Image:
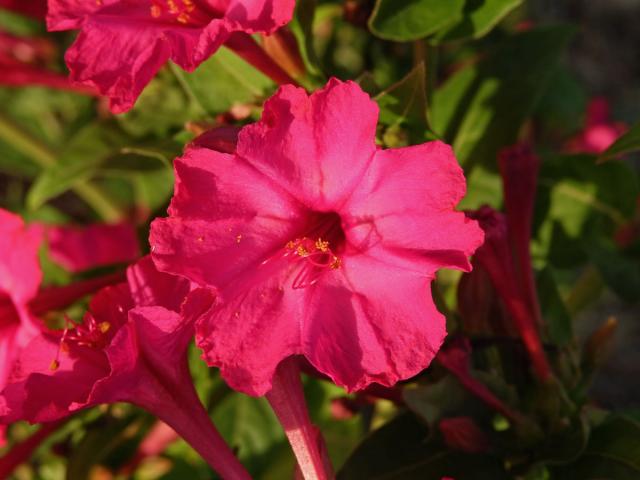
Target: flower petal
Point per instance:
(150, 288)
(83, 248)
(315, 147)
(406, 201)
(375, 323)
(226, 218)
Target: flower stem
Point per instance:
(41, 155)
(248, 49)
(184, 413)
(287, 401)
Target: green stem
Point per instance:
(186, 88)
(42, 156)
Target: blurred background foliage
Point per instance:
(479, 74)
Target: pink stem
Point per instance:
(184, 413)
(287, 401)
(23, 451)
(248, 49)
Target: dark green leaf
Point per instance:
(478, 18)
(302, 27)
(404, 104)
(613, 452)
(413, 19)
(627, 143)
(554, 311)
(620, 273)
(482, 107)
(400, 451)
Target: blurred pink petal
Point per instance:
(122, 44)
(82, 248)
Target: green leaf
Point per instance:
(613, 452)
(484, 187)
(79, 161)
(412, 19)
(627, 143)
(620, 273)
(226, 79)
(400, 451)
(99, 149)
(404, 104)
(482, 107)
(478, 18)
(249, 425)
(302, 28)
(553, 308)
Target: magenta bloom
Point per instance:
(130, 347)
(82, 248)
(319, 243)
(32, 8)
(20, 277)
(23, 61)
(599, 130)
(123, 43)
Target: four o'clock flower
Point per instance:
(123, 43)
(599, 130)
(319, 243)
(131, 347)
(20, 277)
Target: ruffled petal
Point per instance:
(374, 323)
(150, 288)
(249, 335)
(226, 219)
(37, 393)
(315, 147)
(406, 201)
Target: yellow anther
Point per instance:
(183, 18)
(155, 11)
(172, 6)
(322, 245)
(104, 327)
(301, 251)
(335, 263)
(55, 364)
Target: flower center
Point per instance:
(9, 316)
(90, 333)
(181, 11)
(317, 250)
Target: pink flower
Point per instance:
(20, 277)
(319, 243)
(123, 43)
(599, 130)
(462, 433)
(32, 8)
(83, 248)
(496, 259)
(519, 167)
(130, 347)
(23, 61)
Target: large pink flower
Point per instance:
(319, 243)
(123, 43)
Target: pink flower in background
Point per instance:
(32, 8)
(130, 347)
(24, 60)
(599, 130)
(462, 433)
(20, 277)
(122, 43)
(81, 248)
(319, 243)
